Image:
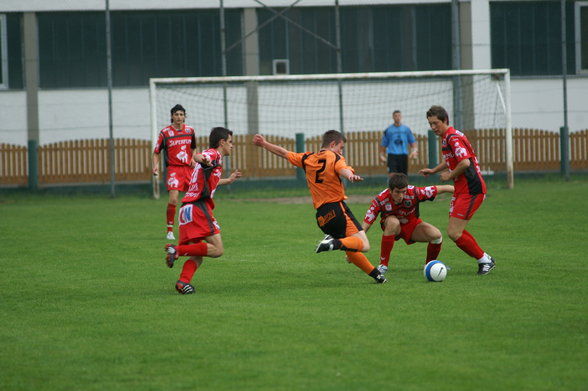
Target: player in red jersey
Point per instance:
(461, 166)
(178, 140)
(324, 170)
(398, 207)
(199, 231)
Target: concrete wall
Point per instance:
(82, 114)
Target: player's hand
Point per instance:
(202, 159)
(445, 176)
(258, 140)
(355, 178)
(155, 171)
(235, 175)
(383, 159)
(413, 155)
(426, 171)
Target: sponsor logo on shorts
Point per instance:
(185, 214)
(173, 181)
(322, 220)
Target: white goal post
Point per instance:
(310, 104)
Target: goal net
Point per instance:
(478, 102)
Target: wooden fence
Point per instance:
(86, 161)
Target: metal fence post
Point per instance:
(299, 149)
(33, 165)
(564, 144)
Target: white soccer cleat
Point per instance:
(383, 269)
(170, 236)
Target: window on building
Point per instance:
(526, 37)
(280, 39)
(14, 50)
(3, 53)
(581, 25)
(72, 49)
(72, 46)
(171, 44)
(373, 39)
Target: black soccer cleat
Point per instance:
(485, 268)
(170, 255)
(184, 288)
(380, 279)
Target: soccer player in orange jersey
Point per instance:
(324, 171)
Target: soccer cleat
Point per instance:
(184, 288)
(485, 268)
(382, 269)
(380, 279)
(170, 255)
(327, 244)
(170, 235)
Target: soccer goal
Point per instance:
(478, 102)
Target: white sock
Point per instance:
(485, 259)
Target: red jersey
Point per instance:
(178, 144)
(406, 210)
(455, 148)
(205, 179)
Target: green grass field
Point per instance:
(88, 304)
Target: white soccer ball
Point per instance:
(435, 271)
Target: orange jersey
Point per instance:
(322, 175)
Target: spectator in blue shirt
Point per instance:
(394, 148)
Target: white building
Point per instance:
(59, 48)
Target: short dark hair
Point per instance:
(218, 134)
(397, 181)
(439, 112)
(177, 107)
(332, 135)
(396, 111)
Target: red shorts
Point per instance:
(178, 177)
(197, 222)
(463, 206)
(406, 230)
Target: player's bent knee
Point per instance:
(215, 252)
(454, 235)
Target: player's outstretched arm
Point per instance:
(232, 178)
(459, 169)
(428, 171)
(365, 226)
(445, 189)
(260, 141)
(349, 175)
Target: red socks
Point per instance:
(433, 251)
(192, 249)
(171, 216)
(385, 249)
(188, 271)
(468, 245)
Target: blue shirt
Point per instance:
(396, 139)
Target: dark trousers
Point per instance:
(398, 163)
